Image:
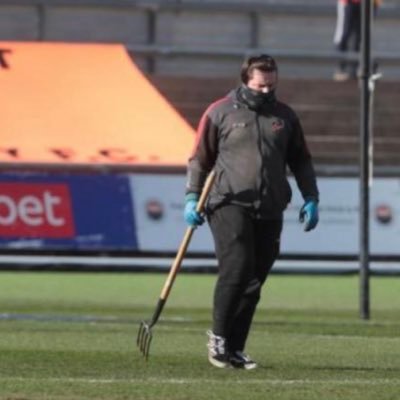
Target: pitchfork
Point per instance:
(145, 334)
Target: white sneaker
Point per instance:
(239, 359)
(217, 351)
(340, 76)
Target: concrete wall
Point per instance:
(284, 29)
(19, 23)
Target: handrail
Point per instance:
(259, 6)
(292, 54)
(152, 7)
(291, 7)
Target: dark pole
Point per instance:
(366, 16)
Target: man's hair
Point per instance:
(263, 62)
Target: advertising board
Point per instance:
(61, 212)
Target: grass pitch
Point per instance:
(72, 336)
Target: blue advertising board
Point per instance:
(66, 211)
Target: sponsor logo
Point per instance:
(278, 125)
(239, 125)
(154, 209)
(384, 214)
(35, 210)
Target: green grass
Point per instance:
(307, 338)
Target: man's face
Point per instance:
(262, 81)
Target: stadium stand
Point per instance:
(85, 104)
(172, 37)
(329, 111)
(191, 50)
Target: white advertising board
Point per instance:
(338, 229)
(158, 202)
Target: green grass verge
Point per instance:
(307, 338)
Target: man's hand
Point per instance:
(192, 217)
(309, 215)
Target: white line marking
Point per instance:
(121, 320)
(172, 381)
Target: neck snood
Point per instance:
(254, 99)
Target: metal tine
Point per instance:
(146, 351)
(140, 334)
(144, 339)
(143, 342)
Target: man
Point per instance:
(248, 138)
(348, 27)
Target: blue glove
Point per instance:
(192, 217)
(309, 215)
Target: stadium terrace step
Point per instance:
(329, 112)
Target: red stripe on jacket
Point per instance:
(203, 120)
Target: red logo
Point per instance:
(35, 210)
(278, 125)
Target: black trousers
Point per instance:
(246, 249)
(348, 32)
(350, 26)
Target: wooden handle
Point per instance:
(205, 192)
(186, 238)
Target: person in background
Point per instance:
(348, 36)
(249, 138)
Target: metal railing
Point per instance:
(152, 8)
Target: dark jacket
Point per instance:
(249, 151)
